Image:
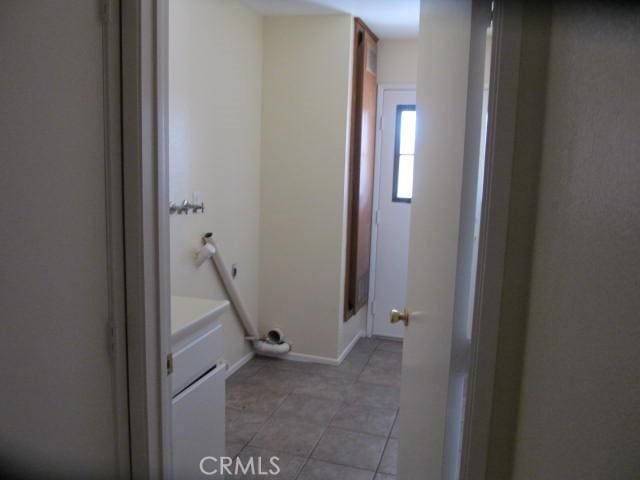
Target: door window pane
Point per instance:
(405, 177)
(408, 132)
(404, 153)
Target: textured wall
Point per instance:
(579, 415)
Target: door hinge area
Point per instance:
(380, 123)
(105, 11)
(373, 308)
(170, 364)
(378, 217)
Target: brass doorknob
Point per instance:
(400, 316)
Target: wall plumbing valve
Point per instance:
(185, 207)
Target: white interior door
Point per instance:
(443, 238)
(59, 267)
(393, 208)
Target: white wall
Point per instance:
(304, 151)
(397, 61)
(579, 413)
(215, 83)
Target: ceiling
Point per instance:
(387, 18)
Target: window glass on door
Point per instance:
(404, 153)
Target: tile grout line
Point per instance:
(342, 404)
(240, 381)
(267, 419)
(309, 457)
(289, 393)
(386, 443)
(395, 419)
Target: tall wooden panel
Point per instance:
(363, 132)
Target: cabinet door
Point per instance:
(361, 164)
(198, 425)
(196, 357)
(365, 171)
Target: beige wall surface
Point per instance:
(578, 414)
(397, 61)
(215, 83)
(306, 79)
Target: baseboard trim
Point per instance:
(386, 337)
(303, 357)
(239, 364)
(349, 347)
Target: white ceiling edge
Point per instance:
(388, 19)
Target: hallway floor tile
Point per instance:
(324, 422)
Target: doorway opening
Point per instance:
(259, 158)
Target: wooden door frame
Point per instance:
(382, 88)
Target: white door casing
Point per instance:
(390, 249)
(145, 58)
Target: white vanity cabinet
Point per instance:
(197, 384)
(198, 424)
